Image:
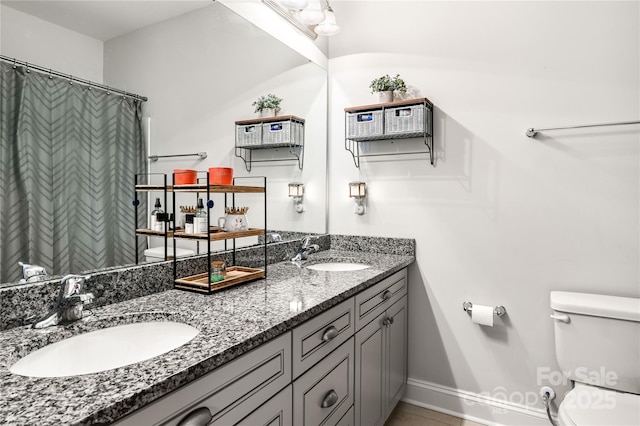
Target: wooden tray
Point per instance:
(235, 275)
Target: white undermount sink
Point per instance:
(338, 266)
(105, 349)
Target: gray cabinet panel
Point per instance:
(324, 394)
(316, 338)
(370, 404)
(275, 412)
(397, 353)
(376, 299)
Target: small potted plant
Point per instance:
(267, 106)
(386, 85)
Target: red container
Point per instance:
(220, 176)
(185, 176)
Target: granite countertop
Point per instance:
(231, 323)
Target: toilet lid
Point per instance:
(592, 406)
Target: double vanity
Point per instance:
(321, 342)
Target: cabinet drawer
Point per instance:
(348, 419)
(249, 380)
(375, 300)
(324, 394)
(275, 412)
(316, 338)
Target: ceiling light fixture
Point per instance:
(312, 14)
(328, 27)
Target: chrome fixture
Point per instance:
(358, 191)
(531, 132)
(70, 303)
(273, 237)
(32, 273)
(311, 17)
(498, 310)
(201, 155)
(296, 191)
(305, 249)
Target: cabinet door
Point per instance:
(396, 333)
(370, 402)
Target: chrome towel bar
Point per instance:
(202, 156)
(498, 310)
(531, 132)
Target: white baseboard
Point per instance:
(472, 406)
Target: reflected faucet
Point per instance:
(70, 303)
(32, 273)
(305, 249)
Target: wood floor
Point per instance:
(411, 415)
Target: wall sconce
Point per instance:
(296, 191)
(358, 190)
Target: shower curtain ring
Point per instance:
(70, 79)
(50, 76)
(14, 63)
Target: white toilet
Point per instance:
(597, 341)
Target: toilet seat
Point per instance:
(592, 406)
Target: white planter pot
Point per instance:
(386, 96)
(267, 112)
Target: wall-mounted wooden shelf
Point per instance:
(404, 119)
(285, 131)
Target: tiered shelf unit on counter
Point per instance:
(235, 274)
(279, 132)
(386, 122)
(142, 188)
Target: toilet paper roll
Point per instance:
(482, 315)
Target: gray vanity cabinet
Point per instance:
(346, 366)
(230, 392)
(381, 350)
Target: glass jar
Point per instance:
(218, 271)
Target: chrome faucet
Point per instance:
(70, 303)
(305, 249)
(32, 273)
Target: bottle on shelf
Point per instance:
(200, 224)
(154, 225)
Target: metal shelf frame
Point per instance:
(295, 149)
(352, 144)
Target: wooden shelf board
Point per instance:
(219, 235)
(235, 275)
(389, 104)
(219, 188)
(151, 233)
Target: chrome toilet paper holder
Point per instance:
(498, 310)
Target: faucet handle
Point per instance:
(72, 285)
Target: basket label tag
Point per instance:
(276, 127)
(404, 112)
(250, 129)
(365, 117)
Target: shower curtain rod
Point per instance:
(71, 78)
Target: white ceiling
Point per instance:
(102, 19)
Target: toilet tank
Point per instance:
(597, 339)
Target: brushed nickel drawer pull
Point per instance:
(329, 399)
(198, 417)
(329, 334)
(386, 295)
(387, 321)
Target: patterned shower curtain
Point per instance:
(68, 157)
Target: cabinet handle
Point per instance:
(329, 399)
(386, 295)
(387, 321)
(198, 417)
(329, 334)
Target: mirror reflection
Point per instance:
(201, 72)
